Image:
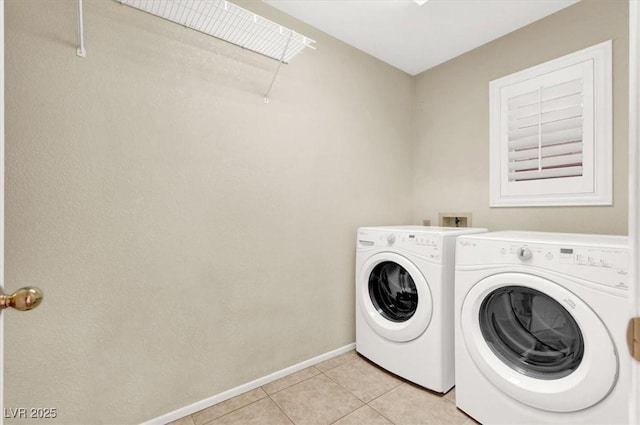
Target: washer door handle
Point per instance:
(633, 338)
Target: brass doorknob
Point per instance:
(23, 299)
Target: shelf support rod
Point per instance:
(80, 52)
(284, 52)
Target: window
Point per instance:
(550, 132)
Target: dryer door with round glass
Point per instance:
(394, 297)
(538, 342)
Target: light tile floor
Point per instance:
(345, 390)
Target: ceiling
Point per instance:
(415, 38)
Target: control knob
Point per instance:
(523, 253)
(391, 239)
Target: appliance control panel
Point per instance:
(600, 264)
(423, 244)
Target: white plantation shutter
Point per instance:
(545, 133)
(549, 137)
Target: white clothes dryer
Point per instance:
(404, 301)
(540, 328)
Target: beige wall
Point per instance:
(451, 148)
(188, 237)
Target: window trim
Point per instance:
(602, 190)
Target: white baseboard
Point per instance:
(208, 402)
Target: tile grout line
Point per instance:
(365, 403)
(295, 383)
(232, 411)
(344, 388)
(320, 372)
(402, 382)
(280, 408)
(327, 376)
(287, 387)
(381, 414)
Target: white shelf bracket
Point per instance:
(80, 51)
(226, 21)
(284, 52)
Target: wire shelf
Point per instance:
(229, 22)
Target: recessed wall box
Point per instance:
(455, 219)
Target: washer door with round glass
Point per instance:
(538, 343)
(394, 297)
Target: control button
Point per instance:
(391, 239)
(503, 251)
(549, 256)
(523, 253)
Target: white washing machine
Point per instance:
(404, 301)
(541, 324)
